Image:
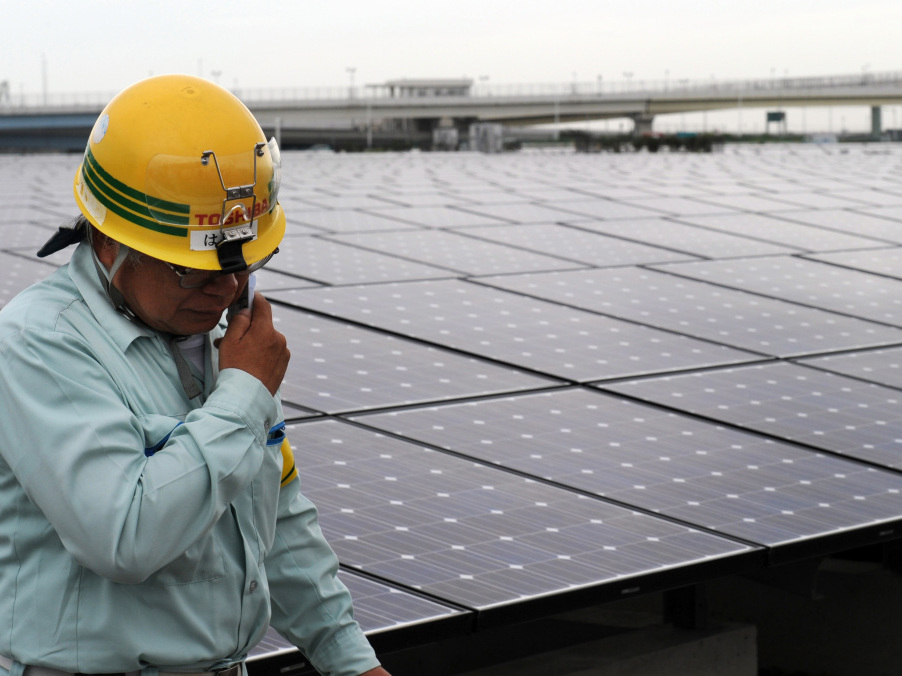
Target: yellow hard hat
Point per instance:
(178, 168)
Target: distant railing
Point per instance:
(9, 101)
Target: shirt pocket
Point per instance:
(202, 562)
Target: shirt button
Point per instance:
(253, 586)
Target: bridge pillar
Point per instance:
(876, 122)
(642, 123)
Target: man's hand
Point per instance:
(378, 671)
(252, 344)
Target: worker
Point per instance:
(150, 513)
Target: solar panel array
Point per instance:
(527, 381)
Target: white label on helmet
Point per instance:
(204, 240)
(95, 209)
(100, 127)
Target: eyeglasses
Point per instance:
(192, 278)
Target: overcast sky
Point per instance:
(104, 45)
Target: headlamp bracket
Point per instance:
(228, 250)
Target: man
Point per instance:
(150, 515)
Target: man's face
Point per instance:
(151, 290)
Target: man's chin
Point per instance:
(201, 322)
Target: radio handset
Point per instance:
(246, 299)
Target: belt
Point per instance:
(234, 670)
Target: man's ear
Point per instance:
(105, 248)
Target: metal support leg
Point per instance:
(687, 607)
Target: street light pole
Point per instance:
(351, 70)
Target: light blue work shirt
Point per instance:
(139, 528)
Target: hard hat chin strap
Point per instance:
(106, 278)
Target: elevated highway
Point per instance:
(548, 104)
(63, 121)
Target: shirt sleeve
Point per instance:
(310, 605)
(77, 450)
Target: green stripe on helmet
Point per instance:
(132, 204)
(106, 198)
(137, 195)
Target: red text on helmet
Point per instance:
(260, 207)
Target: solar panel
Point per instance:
(455, 251)
(473, 534)
(730, 317)
(604, 209)
(720, 479)
(883, 367)
(691, 239)
(520, 212)
(537, 335)
(806, 282)
(378, 607)
(18, 273)
(269, 279)
(576, 244)
(758, 203)
(781, 231)
(328, 262)
(679, 205)
(337, 366)
(350, 220)
(843, 415)
(886, 262)
(820, 199)
(345, 201)
(500, 407)
(439, 216)
(854, 222)
(891, 212)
